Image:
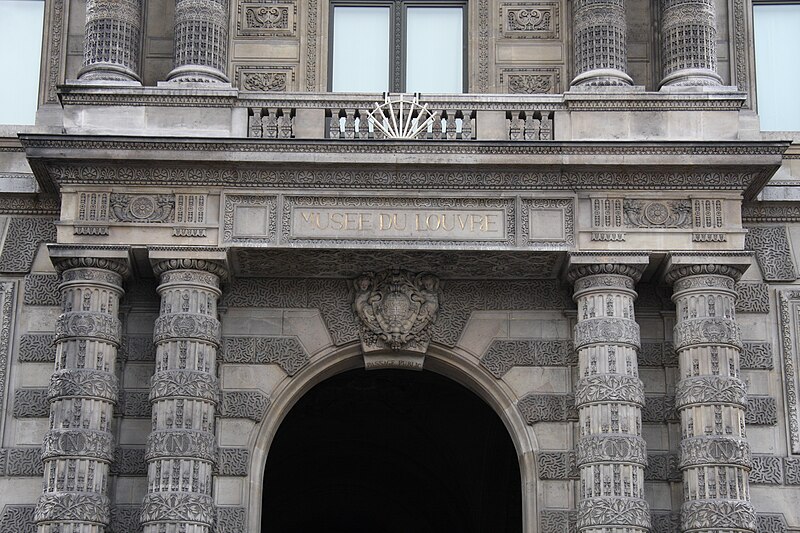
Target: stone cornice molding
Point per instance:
(754, 212)
(113, 258)
(59, 160)
(718, 99)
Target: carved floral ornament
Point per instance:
(396, 309)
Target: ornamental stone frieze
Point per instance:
(78, 448)
(182, 449)
(710, 396)
(396, 309)
(609, 396)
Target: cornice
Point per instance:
(59, 160)
(754, 212)
(635, 100)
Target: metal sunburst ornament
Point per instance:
(400, 117)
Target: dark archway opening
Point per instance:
(391, 451)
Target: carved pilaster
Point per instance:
(688, 41)
(182, 448)
(710, 399)
(611, 453)
(79, 446)
(201, 41)
(600, 42)
(113, 40)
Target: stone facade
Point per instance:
(595, 235)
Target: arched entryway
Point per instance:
(391, 451)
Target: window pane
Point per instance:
(20, 51)
(361, 49)
(434, 61)
(777, 34)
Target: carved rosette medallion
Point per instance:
(78, 449)
(611, 454)
(711, 400)
(396, 309)
(184, 394)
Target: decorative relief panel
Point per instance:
(530, 80)
(231, 519)
(404, 221)
(249, 219)
(244, 404)
(36, 348)
(530, 20)
(42, 289)
(657, 214)
(773, 253)
(286, 352)
(547, 408)
(756, 356)
(752, 298)
(23, 237)
(607, 219)
(152, 208)
(18, 518)
(789, 314)
(31, 403)
(261, 78)
(266, 18)
(761, 411)
(548, 222)
(502, 355)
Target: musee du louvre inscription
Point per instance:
(387, 223)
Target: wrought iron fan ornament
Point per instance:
(401, 116)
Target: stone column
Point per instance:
(113, 40)
(599, 39)
(710, 398)
(688, 42)
(79, 446)
(611, 453)
(201, 41)
(181, 449)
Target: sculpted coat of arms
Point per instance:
(396, 309)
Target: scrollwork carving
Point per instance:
(82, 382)
(186, 325)
(617, 448)
(706, 390)
(396, 309)
(72, 506)
(606, 388)
(181, 443)
(188, 383)
(658, 214)
(178, 507)
(78, 442)
(618, 331)
(613, 511)
(709, 450)
(692, 332)
(773, 253)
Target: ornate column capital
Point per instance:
(583, 264)
(114, 258)
(684, 264)
(211, 260)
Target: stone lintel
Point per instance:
(219, 256)
(638, 260)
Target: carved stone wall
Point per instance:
(79, 447)
(112, 44)
(711, 400)
(609, 395)
(182, 448)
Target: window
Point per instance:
(398, 47)
(21, 24)
(777, 42)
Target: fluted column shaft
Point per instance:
(113, 39)
(201, 41)
(611, 453)
(710, 398)
(600, 50)
(688, 41)
(181, 449)
(79, 446)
